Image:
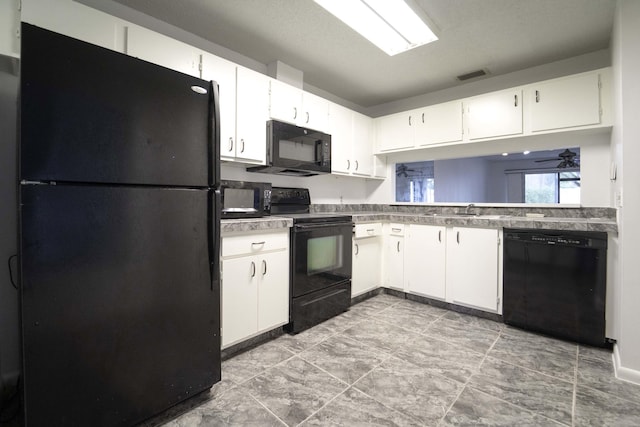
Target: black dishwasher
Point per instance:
(555, 283)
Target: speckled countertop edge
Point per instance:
(545, 223)
(255, 224)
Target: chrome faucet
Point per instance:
(469, 206)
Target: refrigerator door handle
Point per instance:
(214, 135)
(214, 237)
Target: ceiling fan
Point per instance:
(402, 169)
(567, 160)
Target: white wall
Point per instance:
(323, 188)
(9, 336)
(461, 180)
(626, 153)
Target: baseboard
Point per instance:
(622, 373)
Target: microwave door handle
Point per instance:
(318, 151)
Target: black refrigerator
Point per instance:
(119, 231)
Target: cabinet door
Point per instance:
(439, 124)
(395, 262)
(424, 260)
(252, 113)
(273, 290)
(568, 102)
(223, 72)
(395, 131)
(472, 267)
(285, 102)
(362, 148)
(9, 28)
(315, 112)
(162, 50)
(495, 114)
(341, 130)
(366, 265)
(71, 19)
(239, 299)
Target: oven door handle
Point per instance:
(322, 225)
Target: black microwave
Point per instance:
(295, 151)
(243, 199)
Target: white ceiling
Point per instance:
(500, 36)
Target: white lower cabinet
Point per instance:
(255, 284)
(472, 267)
(425, 260)
(366, 259)
(395, 257)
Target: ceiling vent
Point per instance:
(472, 75)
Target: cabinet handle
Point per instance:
(537, 96)
(295, 113)
(458, 237)
(440, 236)
(307, 117)
(396, 230)
(409, 120)
(348, 164)
(515, 97)
(422, 118)
(370, 230)
(242, 142)
(230, 144)
(356, 165)
(258, 243)
(398, 246)
(264, 267)
(253, 269)
(357, 249)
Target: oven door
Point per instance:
(321, 256)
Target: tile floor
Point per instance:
(391, 361)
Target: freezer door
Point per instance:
(120, 312)
(89, 114)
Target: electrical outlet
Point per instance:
(619, 198)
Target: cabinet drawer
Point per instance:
(396, 229)
(249, 244)
(367, 230)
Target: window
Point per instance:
(557, 187)
(415, 182)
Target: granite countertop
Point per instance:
(254, 224)
(608, 225)
(492, 221)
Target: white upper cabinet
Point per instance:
(362, 149)
(395, 131)
(341, 130)
(352, 143)
(223, 72)
(9, 28)
(439, 124)
(75, 20)
(252, 107)
(162, 50)
(435, 124)
(568, 102)
(292, 105)
(285, 103)
(495, 114)
(315, 112)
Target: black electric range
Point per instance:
(320, 264)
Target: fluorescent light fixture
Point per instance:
(392, 25)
